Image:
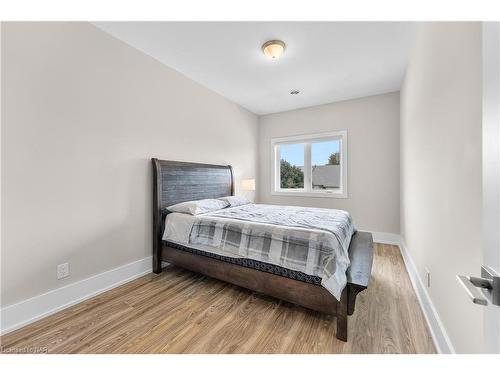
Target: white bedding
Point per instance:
(311, 240)
(177, 229)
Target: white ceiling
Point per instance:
(326, 61)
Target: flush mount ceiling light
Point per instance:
(273, 49)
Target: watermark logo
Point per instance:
(24, 350)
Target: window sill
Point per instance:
(321, 194)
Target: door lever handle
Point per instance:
(470, 285)
(489, 282)
(481, 282)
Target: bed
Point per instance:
(175, 182)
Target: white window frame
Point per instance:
(307, 139)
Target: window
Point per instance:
(311, 165)
(292, 166)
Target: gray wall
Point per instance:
(372, 124)
(441, 170)
(83, 113)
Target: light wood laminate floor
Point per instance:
(183, 312)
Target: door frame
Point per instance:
(491, 172)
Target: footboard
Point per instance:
(358, 274)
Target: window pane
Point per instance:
(292, 166)
(325, 162)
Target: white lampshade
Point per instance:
(248, 184)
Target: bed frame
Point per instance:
(175, 182)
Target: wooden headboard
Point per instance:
(175, 182)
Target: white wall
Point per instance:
(83, 113)
(441, 170)
(372, 124)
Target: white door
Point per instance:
(484, 287)
(491, 174)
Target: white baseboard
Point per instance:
(28, 311)
(385, 238)
(438, 332)
(439, 336)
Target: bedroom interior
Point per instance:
(250, 187)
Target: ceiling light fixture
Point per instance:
(273, 49)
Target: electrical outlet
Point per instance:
(427, 278)
(62, 270)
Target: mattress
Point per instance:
(307, 241)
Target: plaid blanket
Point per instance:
(314, 241)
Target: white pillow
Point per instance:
(201, 206)
(235, 201)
